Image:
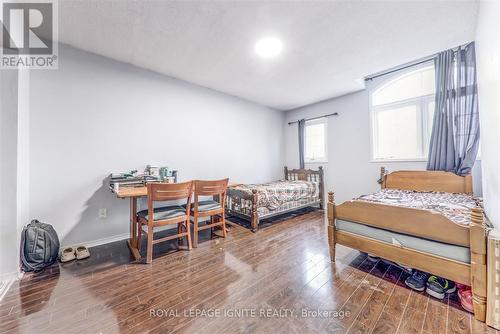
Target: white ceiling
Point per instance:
(329, 46)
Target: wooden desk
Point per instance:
(127, 192)
(133, 193)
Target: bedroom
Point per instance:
(217, 90)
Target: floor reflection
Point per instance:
(283, 266)
(27, 289)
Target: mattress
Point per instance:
(273, 195)
(453, 252)
(455, 207)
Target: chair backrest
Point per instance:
(158, 192)
(210, 188)
(169, 191)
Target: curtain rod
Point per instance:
(407, 65)
(313, 118)
(381, 74)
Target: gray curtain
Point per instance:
(302, 127)
(455, 133)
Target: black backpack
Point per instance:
(39, 246)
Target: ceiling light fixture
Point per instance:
(268, 47)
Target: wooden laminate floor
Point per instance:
(278, 280)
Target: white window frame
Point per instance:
(422, 103)
(324, 159)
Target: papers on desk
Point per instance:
(134, 179)
(131, 179)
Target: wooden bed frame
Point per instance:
(290, 175)
(420, 223)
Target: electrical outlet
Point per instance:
(103, 213)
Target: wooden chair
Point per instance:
(213, 208)
(167, 215)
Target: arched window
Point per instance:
(402, 111)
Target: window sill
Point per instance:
(316, 162)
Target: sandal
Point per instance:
(67, 254)
(82, 252)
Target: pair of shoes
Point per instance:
(70, 253)
(437, 286)
(417, 280)
(434, 285)
(465, 297)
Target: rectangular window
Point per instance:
(397, 133)
(402, 131)
(315, 141)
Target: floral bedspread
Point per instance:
(455, 207)
(273, 194)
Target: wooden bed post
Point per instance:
(468, 184)
(286, 173)
(478, 263)
(331, 224)
(321, 188)
(254, 218)
(382, 177)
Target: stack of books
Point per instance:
(130, 180)
(134, 179)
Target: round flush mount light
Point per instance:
(268, 47)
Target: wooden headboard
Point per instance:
(308, 175)
(426, 181)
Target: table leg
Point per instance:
(217, 199)
(132, 242)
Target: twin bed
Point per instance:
(426, 220)
(301, 188)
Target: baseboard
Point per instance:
(103, 241)
(99, 242)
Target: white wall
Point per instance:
(14, 169)
(488, 67)
(23, 145)
(95, 116)
(349, 172)
(8, 174)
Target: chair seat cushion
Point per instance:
(207, 205)
(163, 213)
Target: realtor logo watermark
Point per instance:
(28, 34)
